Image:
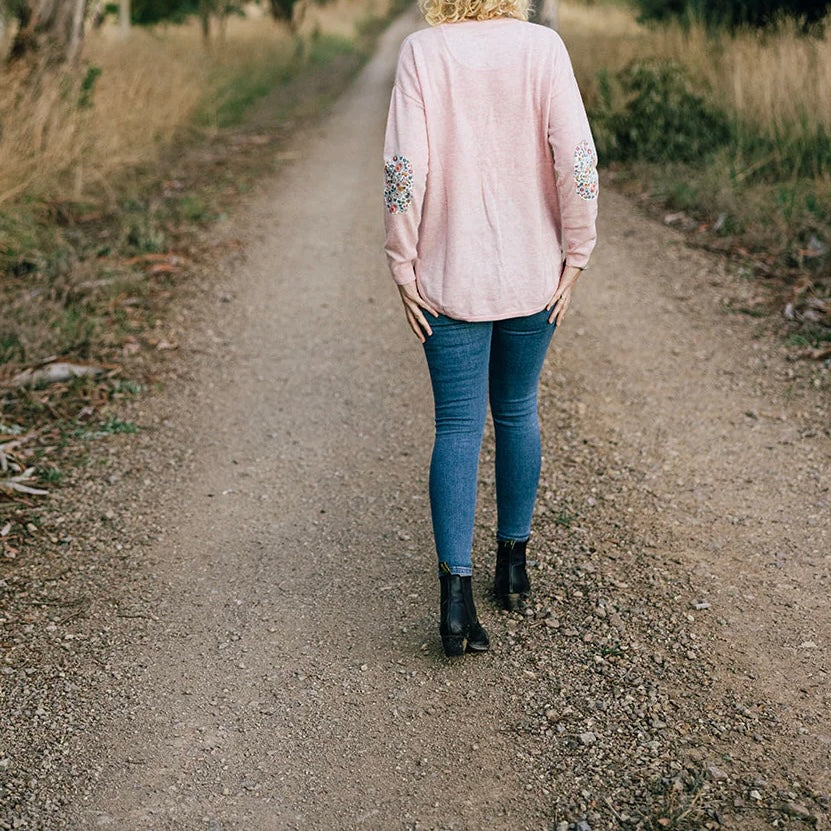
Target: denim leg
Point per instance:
(457, 356)
(517, 354)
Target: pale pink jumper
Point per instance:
(491, 179)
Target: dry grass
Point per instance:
(149, 88)
(780, 82)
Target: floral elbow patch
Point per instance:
(398, 190)
(585, 171)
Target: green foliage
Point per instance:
(11, 347)
(110, 427)
(22, 241)
(564, 518)
(146, 234)
(732, 14)
(76, 329)
(783, 151)
(327, 48)
(237, 93)
(193, 208)
(649, 111)
(120, 387)
(282, 9)
(115, 425)
(148, 12)
(93, 73)
(50, 475)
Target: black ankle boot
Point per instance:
(459, 626)
(477, 640)
(510, 583)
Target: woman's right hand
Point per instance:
(413, 305)
(559, 303)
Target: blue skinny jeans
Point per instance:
(470, 364)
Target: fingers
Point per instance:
(418, 300)
(558, 308)
(413, 304)
(561, 311)
(428, 307)
(553, 302)
(418, 323)
(413, 323)
(411, 297)
(422, 321)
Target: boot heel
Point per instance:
(511, 585)
(453, 646)
(511, 602)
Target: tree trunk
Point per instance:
(222, 11)
(205, 8)
(96, 13)
(52, 30)
(282, 11)
(546, 13)
(124, 18)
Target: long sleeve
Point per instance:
(405, 169)
(575, 163)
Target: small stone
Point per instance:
(583, 826)
(562, 826)
(794, 809)
(364, 667)
(755, 795)
(716, 773)
(552, 623)
(587, 739)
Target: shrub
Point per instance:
(649, 111)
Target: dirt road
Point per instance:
(283, 669)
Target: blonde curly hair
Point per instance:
(454, 11)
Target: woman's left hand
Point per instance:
(559, 303)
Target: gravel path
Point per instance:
(259, 644)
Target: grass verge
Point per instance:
(93, 281)
(726, 136)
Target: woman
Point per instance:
(491, 200)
